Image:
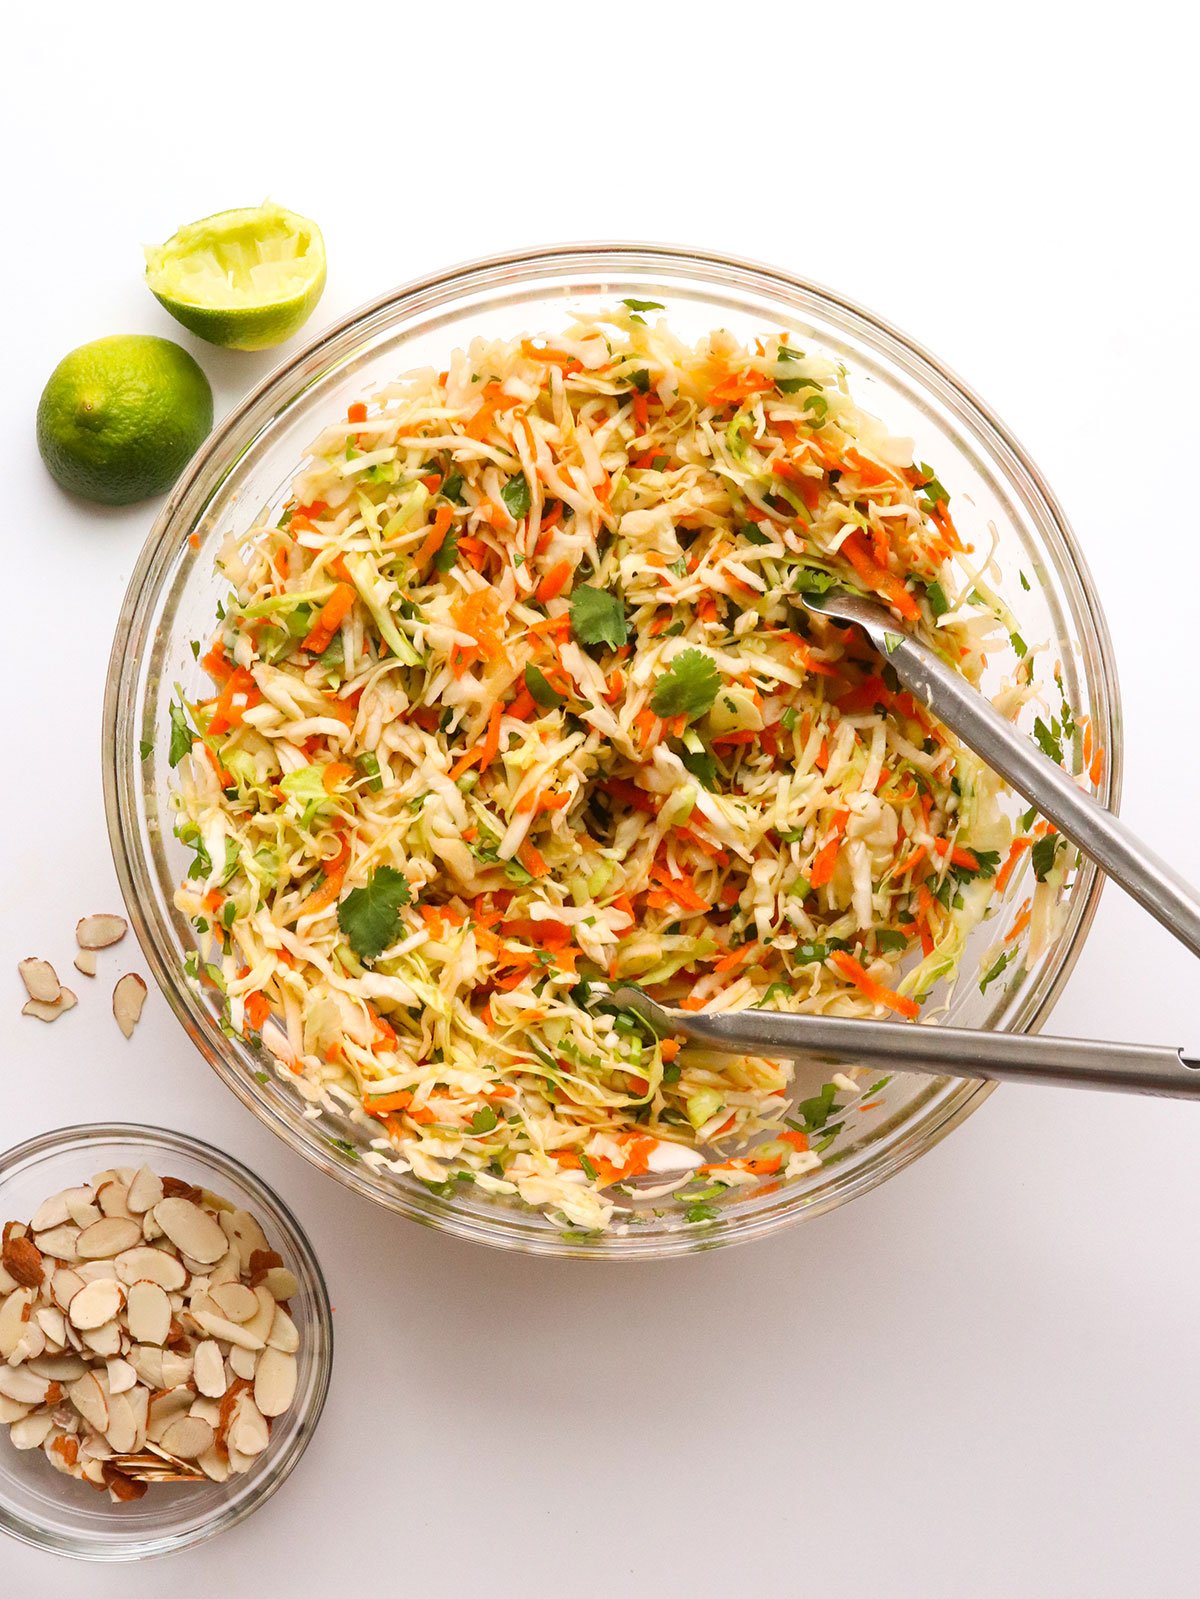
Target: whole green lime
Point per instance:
(121, 417)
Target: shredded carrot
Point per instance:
(531, 860)
(335, 774)
(851, 969)
(1015, 850)
(329, 618)
(436, 536)
(555, 580)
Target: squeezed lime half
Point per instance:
(243, 279)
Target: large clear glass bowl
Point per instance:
(248, 464)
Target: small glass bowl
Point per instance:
(244, 472)
(50, 1511)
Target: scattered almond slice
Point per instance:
(40, 979)
(85, 962)
(98, 932)
(50, 1013)
(128, 998)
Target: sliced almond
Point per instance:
(242, 1363)
(103, 1341)
(122, 1426)
(23, 1385)
(13, 1315)
(64, 1285)
(85, 962)
(243, 1230)
(145, 1191)
(128, 998)
(148, 1313)
(210, 1375)
(227, 1331)
(154, 1265)
(214, 1464)
(177, 1369)
(248, 1431)
(147, 1361)
(31, 1432)
(59, 1242)
(112, 1197)
(12, 1410)
(92, 1271)
(165, 1409)
(281, 1283)
(30, 1345)
(50, 1013)
(264, 1317)
(121, 1376)
(191, 1229)
(82, 1206)
(99, 931)
(234, 1301)
(52, 1212)
(188, 1437)
(88, 1398)
(50, 1320)
(95, 1304)
(284, 1334)
(59, 1368)
(275, 1382)
(109, 1236)
(40, 979)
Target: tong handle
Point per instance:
(836, 1041)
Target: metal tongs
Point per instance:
(960, 1052)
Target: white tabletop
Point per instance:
(977, 1380)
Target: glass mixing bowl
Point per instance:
(248, 464)
(53, 1512)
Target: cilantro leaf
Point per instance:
(1051, 745)
(370, 916)
(483, 1120)
(994, 973)
(688, 688)
(988, 860)
(540, 690)
(447, 553)
(702, 765)
(936, 595)
(598, 617)
(811, 580)
(888, 938)
(814, 1113)
(644, 305)
(640, 380)
(181, 735)
(516, 496)
(1042, 856)
(451, 489)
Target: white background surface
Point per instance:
(980, 1379)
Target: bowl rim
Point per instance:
(216, 457)
(260, 1486)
